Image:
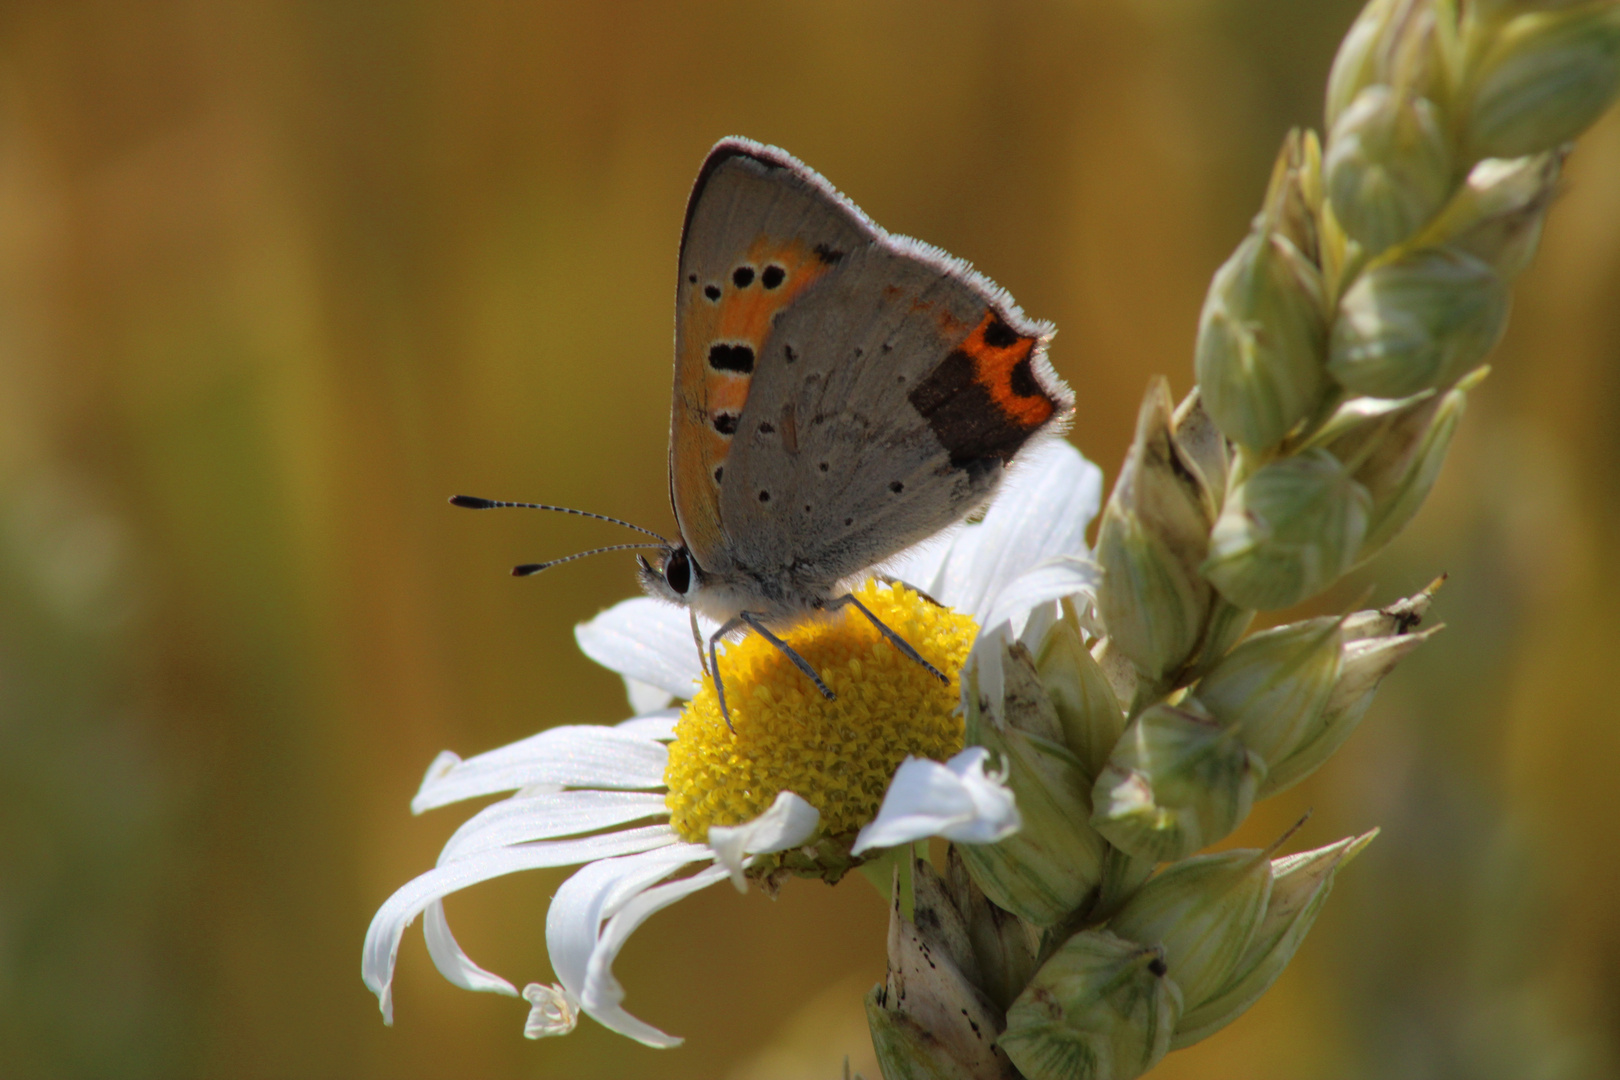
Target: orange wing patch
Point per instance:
(984, 401)
(723, 331)
(1001, 365)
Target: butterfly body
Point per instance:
(840, 393)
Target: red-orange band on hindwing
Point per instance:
(1001, 364)
(983, 400)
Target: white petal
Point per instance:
(658, 725)
(645, 697)
(381, 949)
(546, 816)
(983, 671)
(552, 1011)
(646, 640)
(957, 800)
(507, 823)
(439, 768)
(1037, 622)
(602, 994)
(1041, 511)
(576, 755)
(528, 790)
(1054, 579)
(788, 823)
(594, 893)
(452, 962)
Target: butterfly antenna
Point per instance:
(472, 502)
(535, 567)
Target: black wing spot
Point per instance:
(787, 351)
(1022, 380)
(719, 471)
(807, 508)
(896, 486)
(725, 423)
(823, 466)
(738, 358)
(766, 429)
(742, 277)
(764, 496)
(712, 292)
(692, 278)
(848, 522)
(1158, 966)
(772, 277)
(827, 254)
(998, 335)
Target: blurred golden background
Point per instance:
(277, 278)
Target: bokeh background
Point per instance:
(277, 277)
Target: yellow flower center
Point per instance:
(837, 755)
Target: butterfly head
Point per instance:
(675, 576)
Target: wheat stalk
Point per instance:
(1335, 352)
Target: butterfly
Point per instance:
(841, 394)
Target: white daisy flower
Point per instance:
(674, 800)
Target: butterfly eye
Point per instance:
(678, 571)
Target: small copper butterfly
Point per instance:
(840, 395)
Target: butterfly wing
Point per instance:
(749, 250)
(887, 384)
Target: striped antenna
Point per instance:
(473, 502)
(527, 569)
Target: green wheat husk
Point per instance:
(1335, 353)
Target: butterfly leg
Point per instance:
(752, 621)
(697, 639)
(787, 650)
(891, 581)
(714, 664)
(849, 600)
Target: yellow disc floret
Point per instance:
(837, 755)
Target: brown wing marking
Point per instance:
(725, 325)
(984, 401)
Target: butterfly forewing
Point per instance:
(750, 251)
